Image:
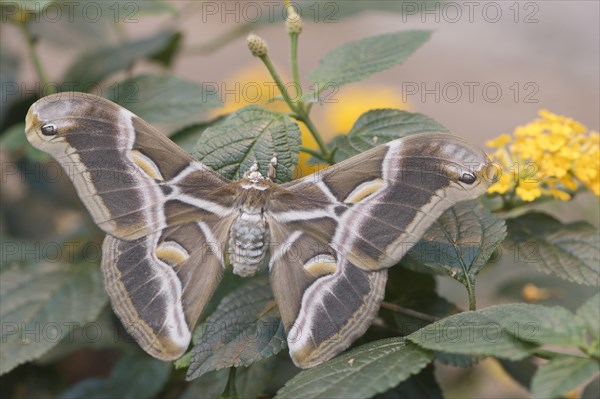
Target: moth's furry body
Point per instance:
(249, 234)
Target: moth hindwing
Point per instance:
(172, 223)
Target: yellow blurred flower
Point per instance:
(500, 141)
(528, 190)
(553, 155)
(532, 293)
(252, 85)
(342, 108)
(337, 115)
(503, 185)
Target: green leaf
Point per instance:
(94, 66)
(228, 284)
(134, 376)
(331, 11)
(360, 373)
(250, 135)
(15, 141)
(99, 334)
(456, 360)
(540, 325)
(163, 98)
(592, 390)
(358, 60)
(9, 73)
(562, 374)
(569, 251)
(460, 242)
(209, 386)
(471, 333)
(413, 291)
(166, 55)
(188, 136)
(244, 329)
(89, 23)
(155, 7)
(421, 386)
(588, 312)
(28, 6)
(41, 304)
(505, 331)
(250, 382)
(379, 126)
(589, 315)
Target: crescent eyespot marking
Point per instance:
(146, 165)
(171, 253)
(364, 190)
(321, 265)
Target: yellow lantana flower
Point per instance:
(503, 185)
(500, 141)
(553, 155)
(528, 190)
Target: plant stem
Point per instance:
(314, 153)
(326, 154)
(298, 109)
(284, 93)
(470, 285)
(294, 60)
(471, 293)
(549, 355)
(39, 69)
(230, 391)
(409, 312)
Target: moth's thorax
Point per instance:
(248, 236)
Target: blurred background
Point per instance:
(489, 67)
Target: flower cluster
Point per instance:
(553, 156)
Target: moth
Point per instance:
(173, 225)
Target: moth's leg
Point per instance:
(272, 167)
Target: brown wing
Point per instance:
(325, 302)
(335, 233)
(123, 169)
(381, 202)
(167, 215)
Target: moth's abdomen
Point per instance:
(247, 243)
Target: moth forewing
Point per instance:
(164, 213)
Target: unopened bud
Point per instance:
(293, 22)
(257, 46)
